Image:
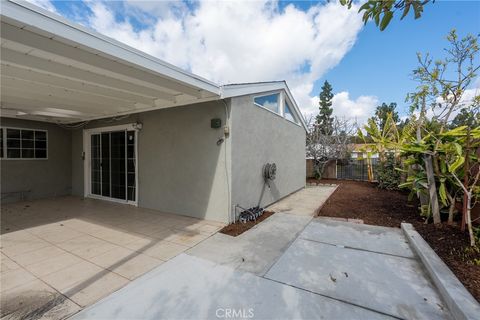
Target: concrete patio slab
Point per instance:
(258, 248)
(81, 250)
(35, 300)
(305, 202)
(188, 287)
(383, 282)
(358, 236)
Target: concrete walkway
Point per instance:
(325, 269)
(363, 265)
(305, 202)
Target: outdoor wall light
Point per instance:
(138, 126)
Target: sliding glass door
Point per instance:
(113, 165)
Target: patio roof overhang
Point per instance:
(56, 71)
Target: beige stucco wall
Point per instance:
(181, 169)
(260, 136)
(44, 178)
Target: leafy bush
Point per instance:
(388, 176)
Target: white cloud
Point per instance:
(466, 101)
(243, 41)
(359, 109)
(45, 4)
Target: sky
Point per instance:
(302, 42)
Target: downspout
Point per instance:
(226, 133)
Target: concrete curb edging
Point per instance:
(317, 211)
(460, 302)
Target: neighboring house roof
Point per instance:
(53, 69)
(361, 147)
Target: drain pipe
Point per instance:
(226, 134)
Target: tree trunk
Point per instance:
(319, 168)
(469, 219)
(451, 209)
(465, 182)
(424, 200)
(432, 189)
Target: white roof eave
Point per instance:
(47, 22)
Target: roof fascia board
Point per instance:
(295, 106)
(30, 15)
(236, 90)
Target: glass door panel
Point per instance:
(131, 164)
(113, 165)
(96, 164)
(118, 161)
(105, 165)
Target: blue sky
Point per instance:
(303, 42)
(380, 63)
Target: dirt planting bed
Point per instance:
(237, 228)
(363, 200)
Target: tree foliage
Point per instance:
(382, 11)
(324, 119)
(469, 117)
(327, 143)
(382, 112)
(439, 156)
(388, 175)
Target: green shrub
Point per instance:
(388, 177)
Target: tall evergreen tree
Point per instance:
(381, 114)
(324, 118)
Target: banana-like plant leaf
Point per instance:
(454, 166)
(442, 190)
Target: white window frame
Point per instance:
(292, 111)
(4, 143)
(87, 173)
(280, 102)
(283, 97)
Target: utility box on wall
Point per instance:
(216, 123)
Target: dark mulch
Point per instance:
(363, 200)
(237, 228)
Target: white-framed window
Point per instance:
(22, 143)
(288, 114)
(278, 103)
(270, 102)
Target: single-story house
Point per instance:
(85, 115)
(361, 150)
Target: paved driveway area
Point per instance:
(60, 255)
(329, 270)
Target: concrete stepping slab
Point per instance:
(393, 285)
(256, 249)
(188, 287)
(358, 236)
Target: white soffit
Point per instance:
(53, 70)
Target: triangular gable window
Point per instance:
(289, 115)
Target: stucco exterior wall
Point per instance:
(44, 178)
(181, 169)
(259, 137)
